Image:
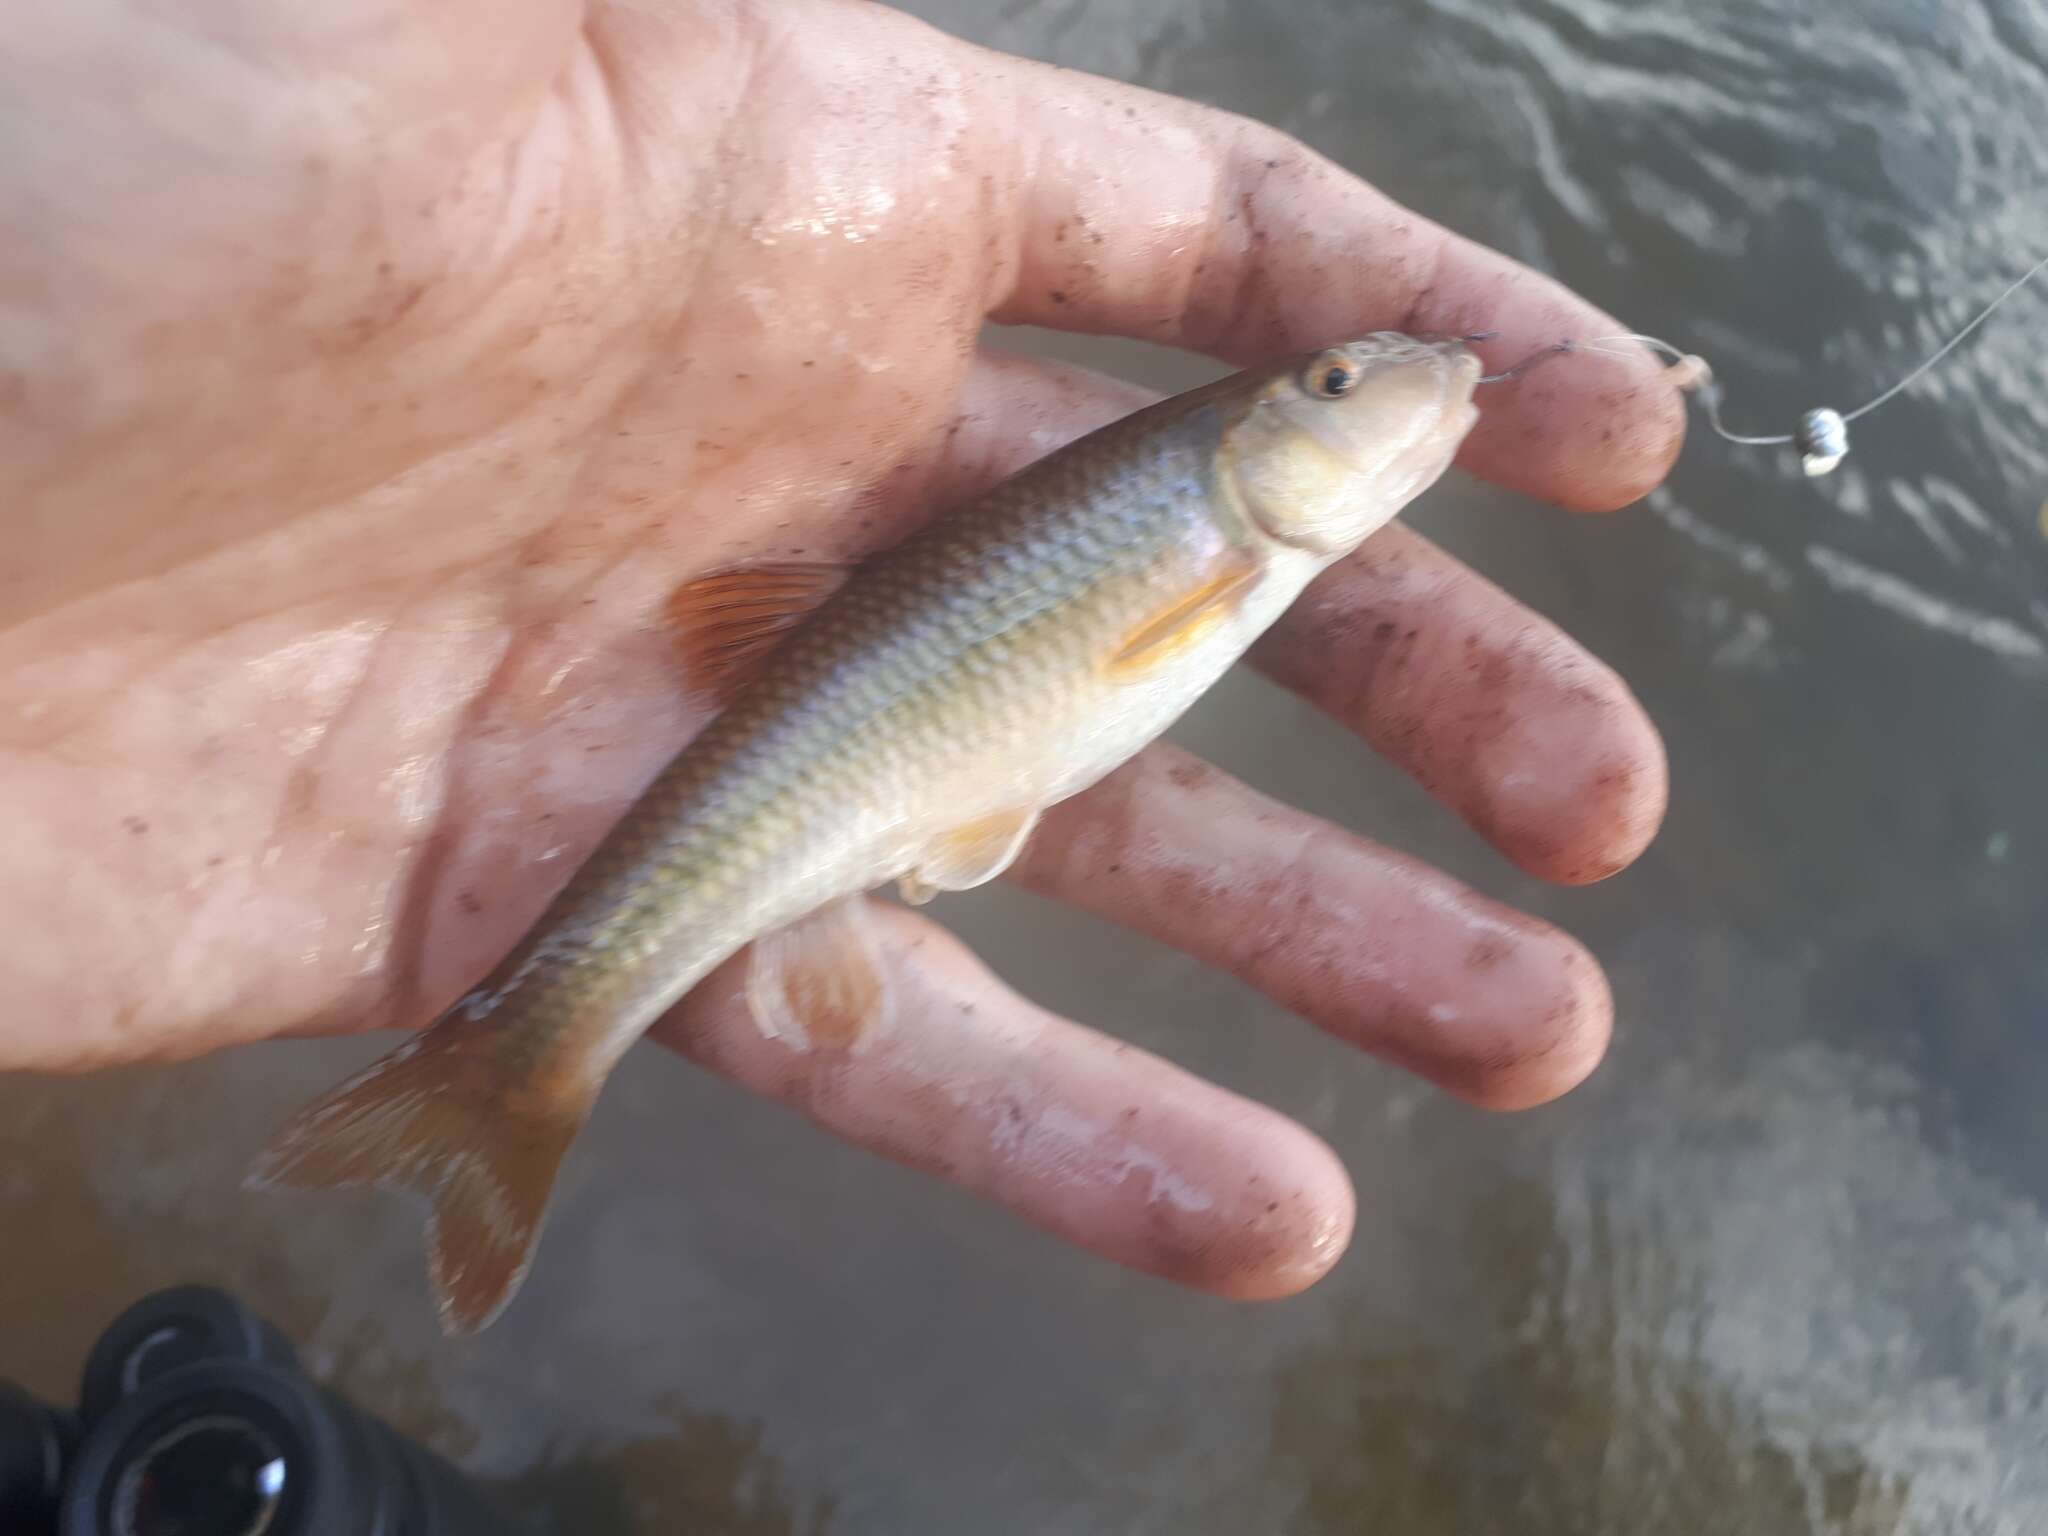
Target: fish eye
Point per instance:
(1331, 376)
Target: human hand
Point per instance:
(370, 375)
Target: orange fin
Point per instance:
(969, 856)
(726, 624)
(442, 1117)
(819, 984)
(1187, 619)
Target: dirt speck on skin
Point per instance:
(1495, 676)
(383, 314)
(1401, 652)
(1183, 891)
(301, 796)
(1616, 777)
(1174, 1249)
(1486, 953)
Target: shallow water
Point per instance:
(1783, 1265)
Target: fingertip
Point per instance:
(1651, 437)
(1540, 747)
(1128, 1156)
(1272, 1231)
(1382, 952)
(1565, 1022)
(1574, 795)
(1597, 442)
(1594, 429)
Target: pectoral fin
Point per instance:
(1184, 621)
(969, 856)
(726, 624)
(819, 983)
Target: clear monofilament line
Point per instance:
(1954, 341)
(1710, 393)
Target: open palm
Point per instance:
(371, 374)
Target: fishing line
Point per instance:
(1822, 436)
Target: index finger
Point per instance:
(1141, 215)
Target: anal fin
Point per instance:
(819, 984)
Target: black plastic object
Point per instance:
(198, 1420)
(174, 1328)
(35, 1445)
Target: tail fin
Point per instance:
(443, 1117)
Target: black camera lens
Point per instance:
(200, 1421)
(219, 1448)
(211, 1475)
(248, 1448)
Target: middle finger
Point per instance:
(1378, 949)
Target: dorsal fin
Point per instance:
(726, 624)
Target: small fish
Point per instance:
(908, 721)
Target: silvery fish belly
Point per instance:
(908, 721)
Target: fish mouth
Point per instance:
(1433, 448)
(1466, 366)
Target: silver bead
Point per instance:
(1822, 440)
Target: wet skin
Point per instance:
(359, 413)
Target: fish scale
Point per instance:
(911, 727)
